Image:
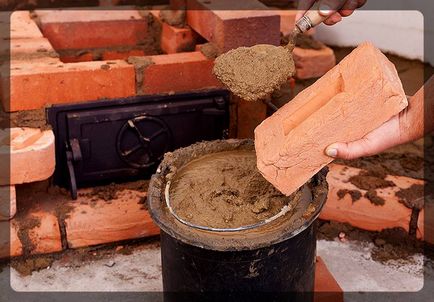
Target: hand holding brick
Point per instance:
(358, 95)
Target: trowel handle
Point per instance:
(310, 19)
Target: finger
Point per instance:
(349, 8)
(350, 150)
(303, 6)
(329, 7)
(333, 19)
(361, 3)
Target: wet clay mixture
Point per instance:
(225, 190)
(370, 180)
(253, 73)
(389, 244)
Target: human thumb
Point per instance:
(350, 150)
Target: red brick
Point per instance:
(30, 153)
(46, 237)
(179, 72)
(85, 57)
(10, 244)
(121, 55)
(342, 106)
(8, 202)
(362, 213)
(28, 50)
(250, 115)
(35, 86)
(326, 287)
(76, 29)
(100, 221)
(18, 25)
(312, 63)
(173, 39)
(234, 24)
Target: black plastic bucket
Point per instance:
(273, 262)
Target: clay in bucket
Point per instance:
(225, 190)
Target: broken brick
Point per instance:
(8, 202)
(77, 29)
(93, 222)
(358, 95)
(313, 63)
(30, 154)
(33, 86)
(179, 73)
(232, 28)
(363, 213)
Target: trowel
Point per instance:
(254, 73)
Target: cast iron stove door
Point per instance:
(126, 138)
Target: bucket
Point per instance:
(273, 261)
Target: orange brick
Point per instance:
(30, 154)
(76, 29)
(326, 287)
(18, 25)
(173, 39)
(179, 72)
(10, 244)
(342, 106)
(362, 213)
(103, 222)
(232, 24)
(28, 50)
(312, 63)
(46, 237)
(8, 202)
(35, 86)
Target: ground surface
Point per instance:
(139, 269)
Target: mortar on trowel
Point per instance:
(254, 73)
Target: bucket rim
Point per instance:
(314, 193)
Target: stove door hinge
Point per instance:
(73, 155)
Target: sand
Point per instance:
(224, 190)
(253, 73)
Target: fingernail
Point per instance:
(332, 152)
(325, 10)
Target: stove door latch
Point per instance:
(73, 155)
